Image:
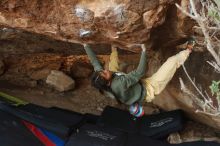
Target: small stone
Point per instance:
(99, 109)
(60, 81)
(174, 138)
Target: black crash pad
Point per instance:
(155, 126)
(93, 135)
(14, 133)
(162, 124)
(58, 121)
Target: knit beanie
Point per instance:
(136, 110)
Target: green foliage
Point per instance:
(215, 89)
(214, 14)
(217, 2)
(214, 10)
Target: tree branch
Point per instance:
(185, 12)
(206, 103)
(201, 21)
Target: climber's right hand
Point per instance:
(143, 47)
(85, 45)
(114, 48)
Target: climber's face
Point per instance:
(106, 74)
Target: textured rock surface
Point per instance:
(37, 36)
(60, 81)
(81, 70)
(132, 20)
(194, 132)
(2, 67)
(36, 67)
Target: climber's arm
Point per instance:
(92, 58)
(134, 76)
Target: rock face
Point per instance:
(81, 70)
(119, 21)
(2, 67)
(38, 36)
(194, 132)
(60, 81)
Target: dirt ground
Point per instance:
(80, 100)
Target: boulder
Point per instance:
(2, 67)
(117, 21)
(60, 81)
(40, 75)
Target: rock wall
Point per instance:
(2, 67)
(38, 36)
(118, 21)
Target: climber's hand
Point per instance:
(85, 45)
(114, 48)
(143, 47)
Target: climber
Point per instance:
(131, 89)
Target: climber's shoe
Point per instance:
(191, 43)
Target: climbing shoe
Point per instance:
(191, 43)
